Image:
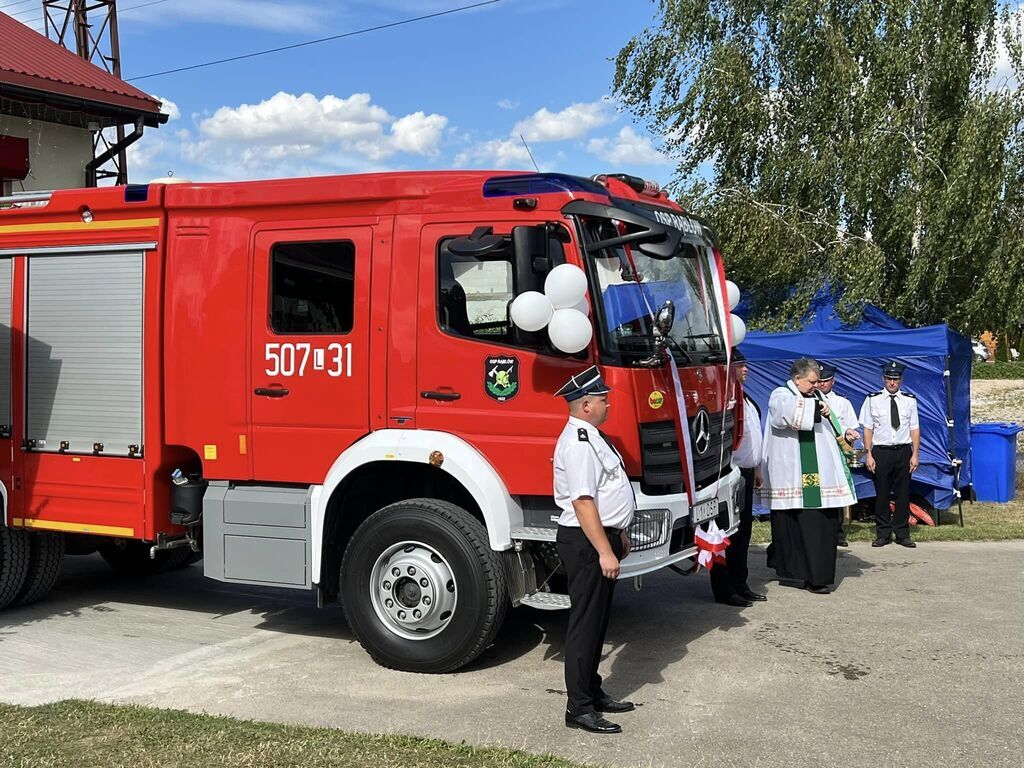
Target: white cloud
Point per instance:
(626, 149)
(254, 14)
(573, 122)
(418, 133)
(497, 153)
(295, 117)
(290, 135)
(169, 108)
(508, 104)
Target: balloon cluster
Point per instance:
(562, 308)
(736, 324)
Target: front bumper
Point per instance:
(677, 544)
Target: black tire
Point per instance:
(131, 558)
(479, 579)
(14, 563)
(46, 556)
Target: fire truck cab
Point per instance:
(315, 384)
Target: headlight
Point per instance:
(650, 529)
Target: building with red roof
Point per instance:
(52, 102)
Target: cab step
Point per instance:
(547, 601)
(532, 533)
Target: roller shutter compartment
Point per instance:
(84, 357)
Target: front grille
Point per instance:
(649, 529)
(660, 455)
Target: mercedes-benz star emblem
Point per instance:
(701, 432)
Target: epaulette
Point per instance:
(879, 392)
(583, 435)
(909, 394)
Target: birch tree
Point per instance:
(872, 145)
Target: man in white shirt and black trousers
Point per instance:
(892, 437)
(597, 503)
(843, 409)
(729, 584)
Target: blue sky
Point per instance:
(449, 92)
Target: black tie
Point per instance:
(894, 412)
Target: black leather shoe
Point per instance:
(816, 588)
(842, 542)
(749, 594)
(906, 543)
(608, 704)
(735, 600)
(591, 721)
(880, 543)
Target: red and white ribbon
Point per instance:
(711, 545)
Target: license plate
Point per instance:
(704, 510)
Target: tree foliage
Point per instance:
(875, 145)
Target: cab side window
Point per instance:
(312, 287)
(475, 293)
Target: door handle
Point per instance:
(271, 391)
(443, 396)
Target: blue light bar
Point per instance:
(538, 184)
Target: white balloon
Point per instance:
(733, 291)
(739, 329)
(531, 310)
(583, 306)
(570, 331)
(565, 286)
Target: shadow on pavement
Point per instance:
(88, 585)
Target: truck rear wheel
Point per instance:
(46, 556)
(14, 563)
(421, 587)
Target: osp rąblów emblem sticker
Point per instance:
(501, 377)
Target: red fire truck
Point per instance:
(328, 369)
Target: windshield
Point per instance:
(627, 300)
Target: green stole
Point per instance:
(809, 458)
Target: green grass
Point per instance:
(998, 370)
(982, 522)
(82, 734)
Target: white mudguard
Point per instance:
(461, 460)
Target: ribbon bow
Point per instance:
(711, 545)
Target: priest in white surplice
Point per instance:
(806, 480)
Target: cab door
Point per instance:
(309, 349)
(478, 377)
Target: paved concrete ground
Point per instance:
(915, 660)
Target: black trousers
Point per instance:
(732, 579)
(803, 545)
(892, 476)
(591, 595)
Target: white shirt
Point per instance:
(782, 471)
(748, 454)
(586, 465)
(876, 415)
(843, 410)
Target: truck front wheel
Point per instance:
(421, 587)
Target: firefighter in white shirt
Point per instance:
(892, 436)
(729, 584)
(597, 502)
(843, 409)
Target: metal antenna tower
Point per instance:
(89, 29)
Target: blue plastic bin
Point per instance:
(994, 454)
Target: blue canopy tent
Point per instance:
(938, 372)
